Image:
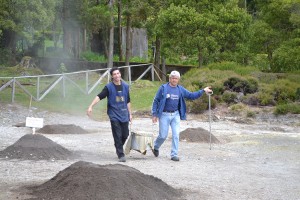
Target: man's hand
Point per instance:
(208, 90)
(154, 120)
(89, 111)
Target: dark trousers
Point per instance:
(120, 133)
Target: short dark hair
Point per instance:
(113, 69)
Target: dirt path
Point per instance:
(253, 161)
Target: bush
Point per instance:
(236, 108)
(284, 91)
(229, 97)
(197, 78)
(265, 99)
(232, 66)
(251, 99)
(200, 105)
(286, 57)
(287, 108)
(5, 55)
(91, 56)
(298, 94)
(250, 114)
(261, 62)
(265, 77)
(239, 85)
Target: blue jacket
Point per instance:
(118, 110)
(160, 100)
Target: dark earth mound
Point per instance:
(85, 180)
(36, 147)
(62, 129)
(197, 135)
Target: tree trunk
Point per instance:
(128, 45)
(54, 35)
(78, 43)
(200, 57)
(120, 30)
(9, 41)
(157, 54)
(111, 37)
(67, 30)
(84, 40)
(164, 69)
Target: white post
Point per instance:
(13, 91)
(38, 88)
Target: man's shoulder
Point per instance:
(180, 87)
(109, 84)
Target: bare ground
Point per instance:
(254, 159)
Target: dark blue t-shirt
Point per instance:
(172, 101)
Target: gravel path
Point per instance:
(257, 160)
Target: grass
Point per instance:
(142, 94)
(75, 102)
(273, 89)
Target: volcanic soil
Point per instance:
(73, 157)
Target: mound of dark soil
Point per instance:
(62, 129)
(197, 135)
(85, 180)
(36, 147)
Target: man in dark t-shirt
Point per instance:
(118, 109)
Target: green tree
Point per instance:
(286, 57)
(96, 18)
(264, 39)
(233, 32)
(23, 21)
(208, 34)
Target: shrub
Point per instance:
(232, 66)
(283, 109)
(251, 99)
(5, 56)
(284, 91)
(298, 94)
(196, 79)
(229, 97)
(265, 99)
(261, 62)
(200, 105)
(286, 57)
(241, 85)
(265, 77)
(239, 107)
(250, 114)
(91, 56)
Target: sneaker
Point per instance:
(122, 159)
(155, 152)
(175, 158)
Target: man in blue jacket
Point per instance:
(118, 109)
(169, 108)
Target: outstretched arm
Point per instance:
(195, 95)
(90, 108)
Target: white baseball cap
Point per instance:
(175, 73)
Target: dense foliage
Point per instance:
(261, 33)
(234, 86)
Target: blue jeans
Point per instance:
(166, 120)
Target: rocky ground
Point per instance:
(254, 158)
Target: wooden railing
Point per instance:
(64, 78)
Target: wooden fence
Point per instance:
(64, 78)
